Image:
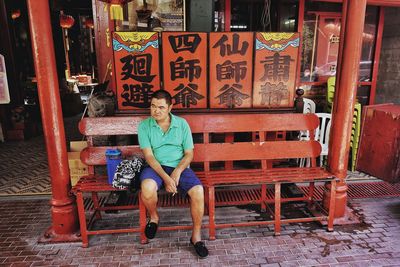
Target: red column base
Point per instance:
(349, 217)
(340, 200)
(343, 214)
(51, 237)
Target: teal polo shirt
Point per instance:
(168, 148)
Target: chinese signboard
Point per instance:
(217, 70)
(4, 93)
(136, 59)
(275, 69)
(231, 69)
(185, 68)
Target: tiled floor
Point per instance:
(24, 169)
(374, 242)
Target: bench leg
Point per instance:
(142, 220)
(311, 189)
(211, 212)
(96, 205)
(263, 198)
(82, 219)
(206, 204)
(331, 215)
(277, 209)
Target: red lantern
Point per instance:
(89, 23)
(16, 14)
(116, 11)
(66, 21)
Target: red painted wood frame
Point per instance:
(377, 51)
(103, 28)
(378, 46)
(228, 12)
(393, 3)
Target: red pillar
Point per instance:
(63, 208)
(228, 11)
(345, 97)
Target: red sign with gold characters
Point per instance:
(275, 69)
(231, 68)
(185, 68)
(136, 59)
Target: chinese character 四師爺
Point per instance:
(185, 69)
(231, 96)
(229, 70)
(186, 42)
(187, 95)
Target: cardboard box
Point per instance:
(74, 160)
(76, 168)
(75, 179)
(77, 146)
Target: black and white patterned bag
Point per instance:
(127, 174)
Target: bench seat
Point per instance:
(282, 175)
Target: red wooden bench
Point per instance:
(259, 152)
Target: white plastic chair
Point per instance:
(321, 135)
(309, 106)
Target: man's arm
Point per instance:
(170, 184)
(183, 164)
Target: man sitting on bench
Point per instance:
(167, 144)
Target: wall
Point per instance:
(388, 86)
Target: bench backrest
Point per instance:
(206, 124)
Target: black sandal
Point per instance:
(200, 248)
(151, 230)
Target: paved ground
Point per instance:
(374, 242)
(24, 167)
(23, 220)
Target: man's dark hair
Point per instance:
(162, 94)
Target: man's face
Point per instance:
(159, 109)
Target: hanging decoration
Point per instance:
(116, 11)
(15, 14)
(66, 22)
(89, 23)
(266, 16)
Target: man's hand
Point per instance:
(176, 175)
(170, 185)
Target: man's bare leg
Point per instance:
(149, 198)
(196, 194)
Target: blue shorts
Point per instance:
(186, 182)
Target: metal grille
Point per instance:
(252, 195)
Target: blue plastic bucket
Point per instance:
(114, 157)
